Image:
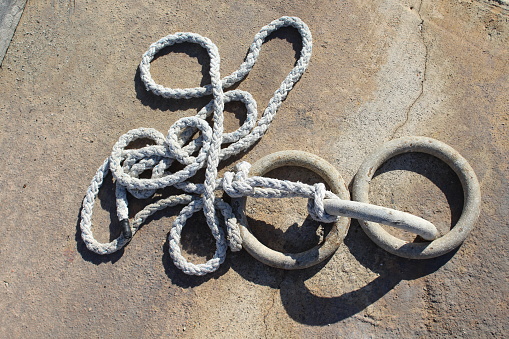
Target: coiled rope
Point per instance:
(127, 164)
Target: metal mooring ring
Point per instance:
(313, 256)
(471, 191)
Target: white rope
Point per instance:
(127, 164)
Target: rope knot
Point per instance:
(235, 183)
(315, 205)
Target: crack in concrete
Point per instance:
(411, 106)
(366, 319)
(276, 290)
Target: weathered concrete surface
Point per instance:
(380, 69)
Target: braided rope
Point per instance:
(127, 164)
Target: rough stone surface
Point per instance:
(380, 69)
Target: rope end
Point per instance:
(126, 229)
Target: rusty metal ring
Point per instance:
(468, 179)
(313, 256)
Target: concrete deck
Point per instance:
(380, 70)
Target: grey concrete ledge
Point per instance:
(10, 13)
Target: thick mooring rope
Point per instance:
(127, 164)
(206, 151)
